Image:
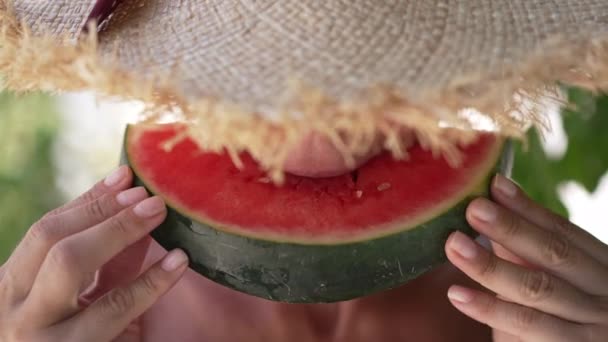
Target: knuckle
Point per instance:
(536, 286)
(119, 301)
(488, 268)
(91, 195)
(96, 209)
(120, 224)
(488, 307)
(558, 250)
(150, 284)
(52, 213)
(525, 318)
(42, 231)
(511, 224)
(63, 256)
(564, 227)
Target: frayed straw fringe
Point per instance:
(513, 100)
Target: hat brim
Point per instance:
(257, 76)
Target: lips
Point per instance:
(316, 156)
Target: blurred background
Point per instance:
(54, 148)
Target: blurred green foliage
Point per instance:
(28, 127)
(585, 161)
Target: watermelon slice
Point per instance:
(310, 240)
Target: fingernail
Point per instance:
(149, 207)
(116, 176)
(131, 196)
(174, 260)
(505, 186)
(460, 294)
(463, 245)
(484, 210)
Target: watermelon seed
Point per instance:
(384, 186)
(359, 193)
(264, 180)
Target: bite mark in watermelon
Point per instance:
(310, 240)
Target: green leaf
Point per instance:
(536, 174)
(585, 161)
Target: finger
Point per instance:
(100, 209)
(544, 248)
(508, 194)
(108, 317)
(514, 319)
(501, 336)
(122, 269)
(63, 273)
(119, 179)
(31, 252)
(505, 254)
(535, 289)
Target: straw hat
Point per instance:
(257, 75)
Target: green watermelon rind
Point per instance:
(318, 273)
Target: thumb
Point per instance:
(111, 315)
(122, 269)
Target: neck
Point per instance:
(414, 304)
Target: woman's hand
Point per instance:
(548, 277)
(42, 283)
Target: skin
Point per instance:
(316, 156)
(545, 281)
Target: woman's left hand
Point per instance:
(548, 278)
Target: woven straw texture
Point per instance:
(55, 17)
(246, 51)
(257, 75)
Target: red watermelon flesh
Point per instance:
(382, 197)
(310, 240)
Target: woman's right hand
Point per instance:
(42, 283)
